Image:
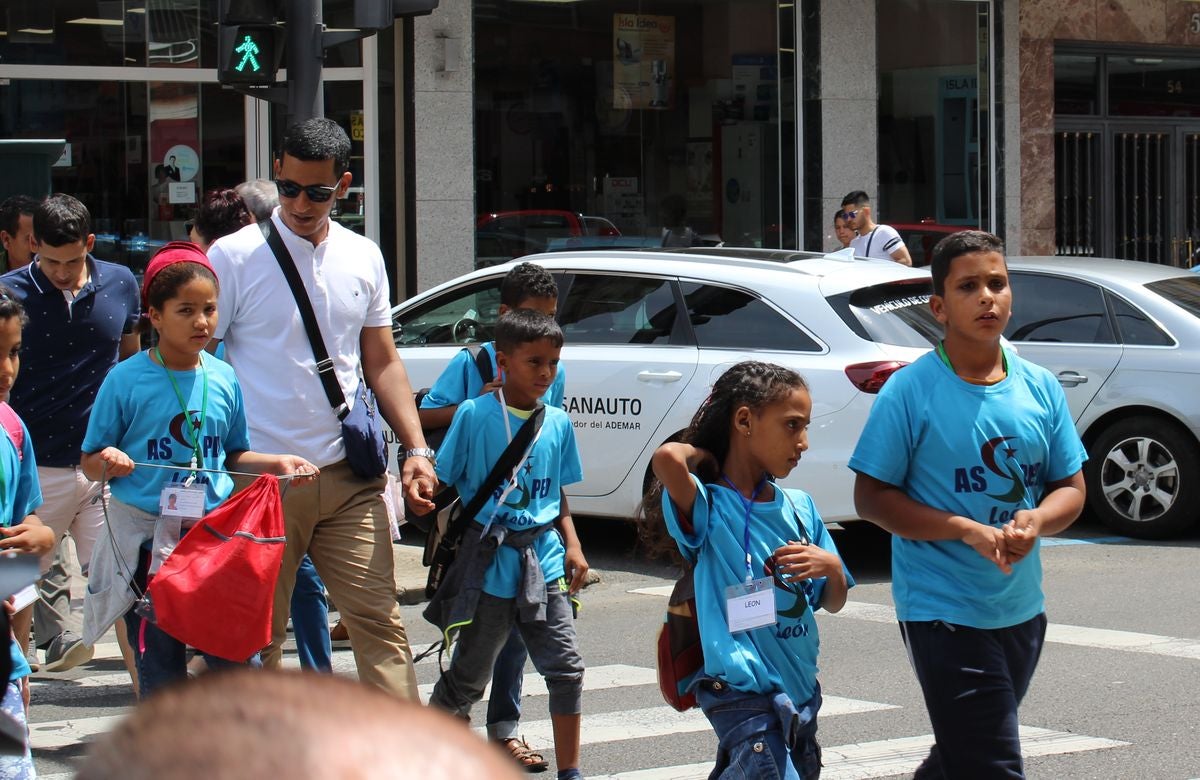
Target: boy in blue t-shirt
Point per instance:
(524, 582)
(968, 457)
(525, 286)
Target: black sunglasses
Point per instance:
(317, 193)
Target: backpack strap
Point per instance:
(14, 429)
(483, 362)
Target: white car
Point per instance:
(647, 333)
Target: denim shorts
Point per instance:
(754, 730)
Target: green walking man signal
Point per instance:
(248, 49)
(250, 53)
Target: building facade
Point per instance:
(494, 128)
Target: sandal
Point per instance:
(525, 756)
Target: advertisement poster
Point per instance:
(644, 61)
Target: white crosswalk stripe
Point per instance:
(632, 722)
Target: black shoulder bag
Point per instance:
(441, 544)
(362, 432)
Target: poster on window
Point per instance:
(644, 61)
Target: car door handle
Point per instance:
(659, 376)
(1071, 378)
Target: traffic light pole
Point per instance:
(306, 55)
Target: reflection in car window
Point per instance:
(731, 319)
(1135, 328)
(896, 313)
(618, 310)
(1183, 291)
(460, 316)
(1054, 309)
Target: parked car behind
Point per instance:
(1123, 338)
(647, 333)
(921, 237)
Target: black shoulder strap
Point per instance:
(483, 362)
(500, 471)
(870, 240)
(333, 391)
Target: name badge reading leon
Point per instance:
(179, 501)
(750, 605)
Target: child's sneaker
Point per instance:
(66, 651)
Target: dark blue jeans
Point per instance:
(973, 680)
(310, 619)
(508, 676)
(761, 737)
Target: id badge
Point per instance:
(750, 605)
(177, 500)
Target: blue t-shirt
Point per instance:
(475, 441)
(22, 495)
(138, 412)
(770, 659)
(460, 380)
(978, 451)
(67, 350)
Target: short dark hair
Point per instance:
(524, 326)
(856, 198)
(60, 220)
(956, 245)
(221, 212)
(526, 281)
(318, 139)
(11, 306)
(839, 214)
(12, 209)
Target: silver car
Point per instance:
(1123, 338)
(647, 333)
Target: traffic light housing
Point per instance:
(382, 14)
(250, 43)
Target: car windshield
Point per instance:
(896, 313)
(1183, 291)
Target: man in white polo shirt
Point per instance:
(879, 241)
(340, 521)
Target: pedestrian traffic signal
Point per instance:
(382, 14)
(250, 44)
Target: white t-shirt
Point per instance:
(878, 243)
(265, 342)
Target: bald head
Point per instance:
(299, 726)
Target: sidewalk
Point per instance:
(410, 574)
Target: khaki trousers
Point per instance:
(340, 521)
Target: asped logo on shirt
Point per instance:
(1007, 481)
(176, 448)
(513, 510)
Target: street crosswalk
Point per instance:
(625, 719)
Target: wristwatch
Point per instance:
(422, 452)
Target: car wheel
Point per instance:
(1143, 478)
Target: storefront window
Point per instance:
(933, 112)
(110, 33)
(632, 124)
(1153, 86)
(1076, 84)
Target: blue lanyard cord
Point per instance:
(749, 505)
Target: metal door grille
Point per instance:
(1190, 254)
(1140, 192)
(1075, 221)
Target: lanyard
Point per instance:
(510, 482)
(941, 350)
(192, 431)
(749, 505)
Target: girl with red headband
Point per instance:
(173, 405)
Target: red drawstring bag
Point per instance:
(216, 590)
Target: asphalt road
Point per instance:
(1114, 696)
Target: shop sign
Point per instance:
(644, 61)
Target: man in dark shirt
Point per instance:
(82, 313)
